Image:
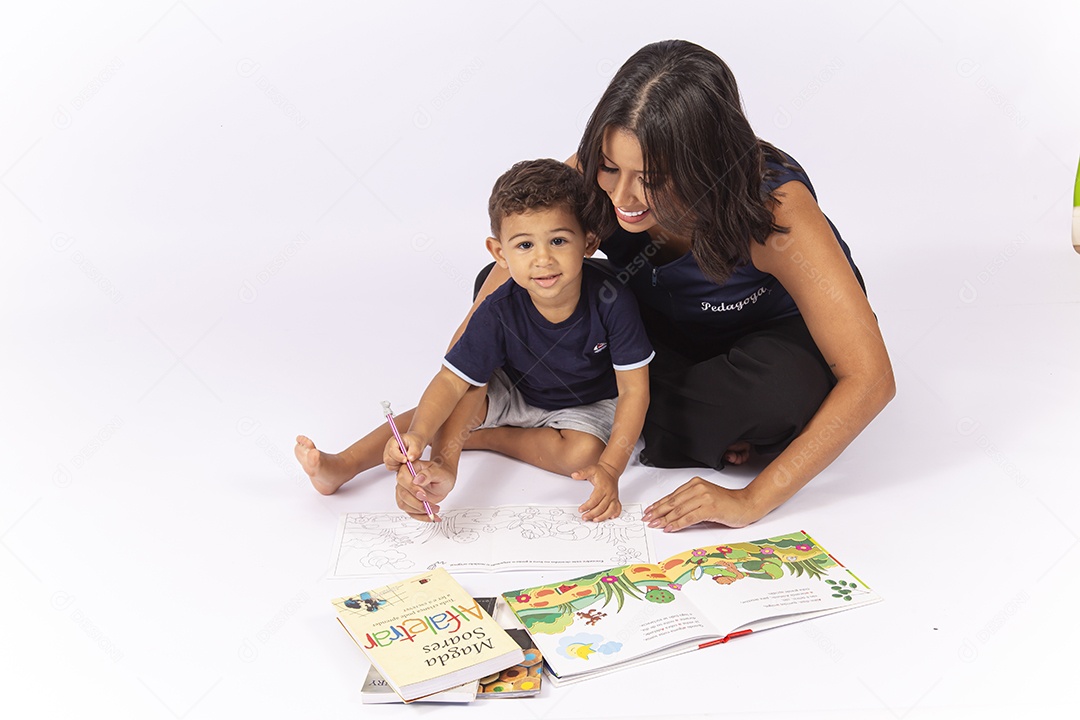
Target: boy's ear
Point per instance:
(592, 244)
(496, 249)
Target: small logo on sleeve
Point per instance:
(598, 347)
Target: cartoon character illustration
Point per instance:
(581, 650)
(366, 601)
(583, 645)
(592, 616)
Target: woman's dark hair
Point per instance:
(682, 104)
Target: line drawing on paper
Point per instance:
(511, 537)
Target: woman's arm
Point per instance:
(811, 265)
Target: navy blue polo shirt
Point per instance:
(554, 365)
(681, 292)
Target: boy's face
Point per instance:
(543, 250)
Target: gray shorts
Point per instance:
(507, 407)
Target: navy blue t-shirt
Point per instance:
(681, 292)
(554, 365)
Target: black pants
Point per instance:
(762, 388)
(708, 393)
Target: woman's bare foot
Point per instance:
(737, 453)
(327, 472)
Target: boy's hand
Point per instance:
(603, 503)
(433, 482)
(395, 460)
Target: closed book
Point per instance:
(377, 691)
(426, 634)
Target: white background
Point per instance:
(224, 225)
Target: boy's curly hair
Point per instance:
(533, 185)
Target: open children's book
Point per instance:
(641, 612)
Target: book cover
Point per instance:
(377, 691)
(426, 634)
(641, 612)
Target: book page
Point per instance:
(608, 618)
(512, 537)
(740, 584)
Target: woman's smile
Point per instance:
(631, 217)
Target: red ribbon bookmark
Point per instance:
(724, 639)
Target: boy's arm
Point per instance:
(629, 418)
(439, 399)
(437, 476)
(630, 409)
(442, 395)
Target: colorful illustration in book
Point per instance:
(551, 609)
(522, 679)
(515, 679)
(592, 616)
(582, 645)
(658, 595)
(372, 600)
(498, 538)
(366, 601)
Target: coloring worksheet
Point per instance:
(511, 537)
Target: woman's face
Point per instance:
(622, 177)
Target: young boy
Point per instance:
(551, 367)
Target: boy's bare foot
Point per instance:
(737, 453)
(327, 472)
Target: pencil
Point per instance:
(397, 436)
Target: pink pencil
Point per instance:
(397, 436)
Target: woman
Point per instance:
(765, 340)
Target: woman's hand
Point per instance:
(699, 500)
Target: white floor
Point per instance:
(224, 227)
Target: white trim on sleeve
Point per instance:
(465, 377)
(634, 366)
